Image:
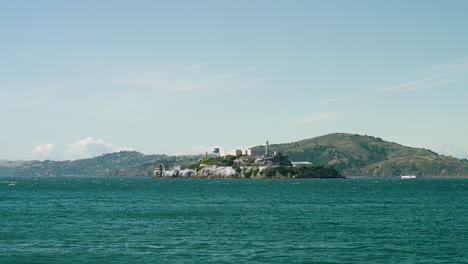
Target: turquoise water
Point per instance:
(144, 220)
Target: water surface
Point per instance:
(144, 220)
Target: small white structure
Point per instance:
(409, 177)
(299, 163)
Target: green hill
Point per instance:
(350, 155)
(125, 163)
(357, 155)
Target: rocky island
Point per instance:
(276, 166)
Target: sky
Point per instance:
(82, 78)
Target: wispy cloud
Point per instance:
(452, 67)
(434, 77)
(319, 117)
(331, 100)
(80, 149)
(439, 75)
(88, 147)
(454, 72)
(426, 82)
(201, 149)
(189, 78)
(43, 151)
(455, 150)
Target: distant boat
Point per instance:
(409, 177)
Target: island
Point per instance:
(246, 166)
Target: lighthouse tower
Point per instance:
(266, 149)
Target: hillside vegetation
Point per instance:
(350, 155)
(357, 155)
(125, 163)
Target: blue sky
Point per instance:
(80, 78)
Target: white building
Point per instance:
(233, 152)
(255, 152)
(247, 152)
(240, 152)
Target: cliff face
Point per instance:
(313, 171)
(251, 172)
(206, 172)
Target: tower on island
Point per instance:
(266, 149)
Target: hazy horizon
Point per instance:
(201, 153)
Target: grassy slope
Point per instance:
(351, 155)
(129, 163)
(354, 155)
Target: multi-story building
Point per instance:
(249, 152)
(255, 152)
(233, 152)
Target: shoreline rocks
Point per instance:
(282, 172)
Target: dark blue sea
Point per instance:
(144, 220)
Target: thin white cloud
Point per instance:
(331, 100)
(43, 151)
(426, 82)
(455, 150)
(189, 78)
(319, 117)
(452, 67)
(88, 147)
(166, 82)
(202, 149)
(455, 72)
(197, 66)
(440, 75)
(80, 149)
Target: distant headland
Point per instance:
(348, 154)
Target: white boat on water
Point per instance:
(409, 177)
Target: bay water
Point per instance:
(146, 220)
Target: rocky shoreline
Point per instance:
(257, 172)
